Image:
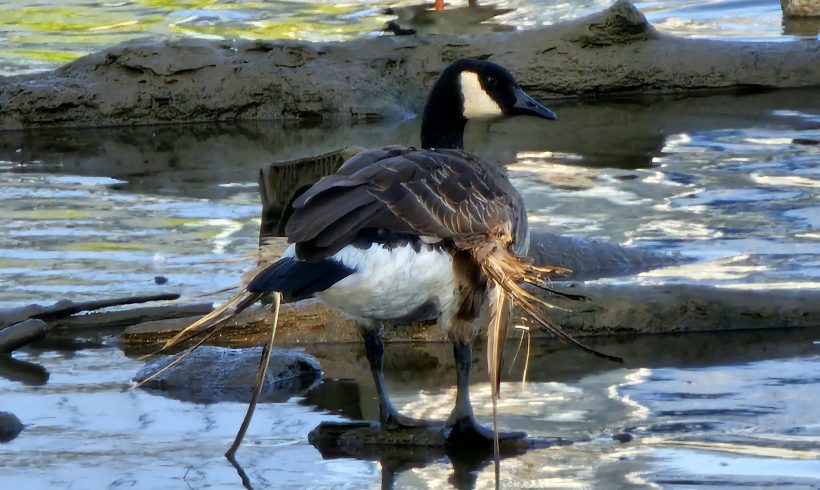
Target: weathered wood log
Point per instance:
(15, 336)
(613, 52)
(66, 308)
(613, 309)
(133, 316)
(369, 441)
(400, 450)
(30, 323)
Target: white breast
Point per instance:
(393, 283)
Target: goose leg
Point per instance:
(462, 427)
(388, 416)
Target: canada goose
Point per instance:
(400, 233)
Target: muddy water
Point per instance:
(729, 180)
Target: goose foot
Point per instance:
(467, 432)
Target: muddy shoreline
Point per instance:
(614, 52)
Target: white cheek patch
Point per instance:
(477, 102)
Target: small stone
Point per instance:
(160, 280)
(623, 437)
(10, 427)
(213, 374)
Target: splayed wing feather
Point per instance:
(203, 323)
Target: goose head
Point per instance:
(472, 89)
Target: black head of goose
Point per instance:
(403, 234)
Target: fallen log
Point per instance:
(66, 308)
(611, 309)
(20, 334)
(185, 80)
(30, 323)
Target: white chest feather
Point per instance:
(393, 283)
(477, 102)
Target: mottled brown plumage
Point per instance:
(448, 195)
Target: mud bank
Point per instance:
(614, 52)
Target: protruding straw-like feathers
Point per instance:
(508, 271)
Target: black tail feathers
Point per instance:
(297, 279)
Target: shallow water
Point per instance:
(42, 34)
(730, 180)
(730, 410)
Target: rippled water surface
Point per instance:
(42, 34)
(731, 410)
(728, 180)
(731, 182)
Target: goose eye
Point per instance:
(491, 81)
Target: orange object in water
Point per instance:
(439, 5)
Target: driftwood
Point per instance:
(630, 309)
(27, 324)
(20, 334)
(66, 308)
(124, 318)
(613, 52)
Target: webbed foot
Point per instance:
(467, 432)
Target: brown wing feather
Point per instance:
(448, 194)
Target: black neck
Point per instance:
(442, 125)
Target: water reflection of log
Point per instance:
(189, 160)
(28, 373)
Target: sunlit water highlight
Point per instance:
(730, 182)
(38, 35)
(739, 196)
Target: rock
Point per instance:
(217, 374)
(10, 427)
(193, 80)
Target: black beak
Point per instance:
(527, 106)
